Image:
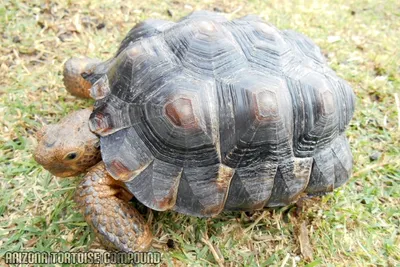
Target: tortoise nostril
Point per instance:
(49, 144)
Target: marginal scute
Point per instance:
(343, 161)
(291, 179)
(157, 185)
(251, 186)
(124, 154)
(99, 121)
(110, 115)
(331, 167)
(203, 190)
(101, 88)
(118, 169)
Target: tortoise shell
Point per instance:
(207, 114)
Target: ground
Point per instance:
(357, 225)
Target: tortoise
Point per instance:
(200, 116)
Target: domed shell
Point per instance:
(207, 114)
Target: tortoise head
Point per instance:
(69, 147)
(73, 80)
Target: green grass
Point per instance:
(357, 225)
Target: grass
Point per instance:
(357, 225)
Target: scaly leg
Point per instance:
(104, 203)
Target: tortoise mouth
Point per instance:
(64, 174)
(61, 171)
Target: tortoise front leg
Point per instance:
(104, 203)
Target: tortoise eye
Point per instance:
(71, 156)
